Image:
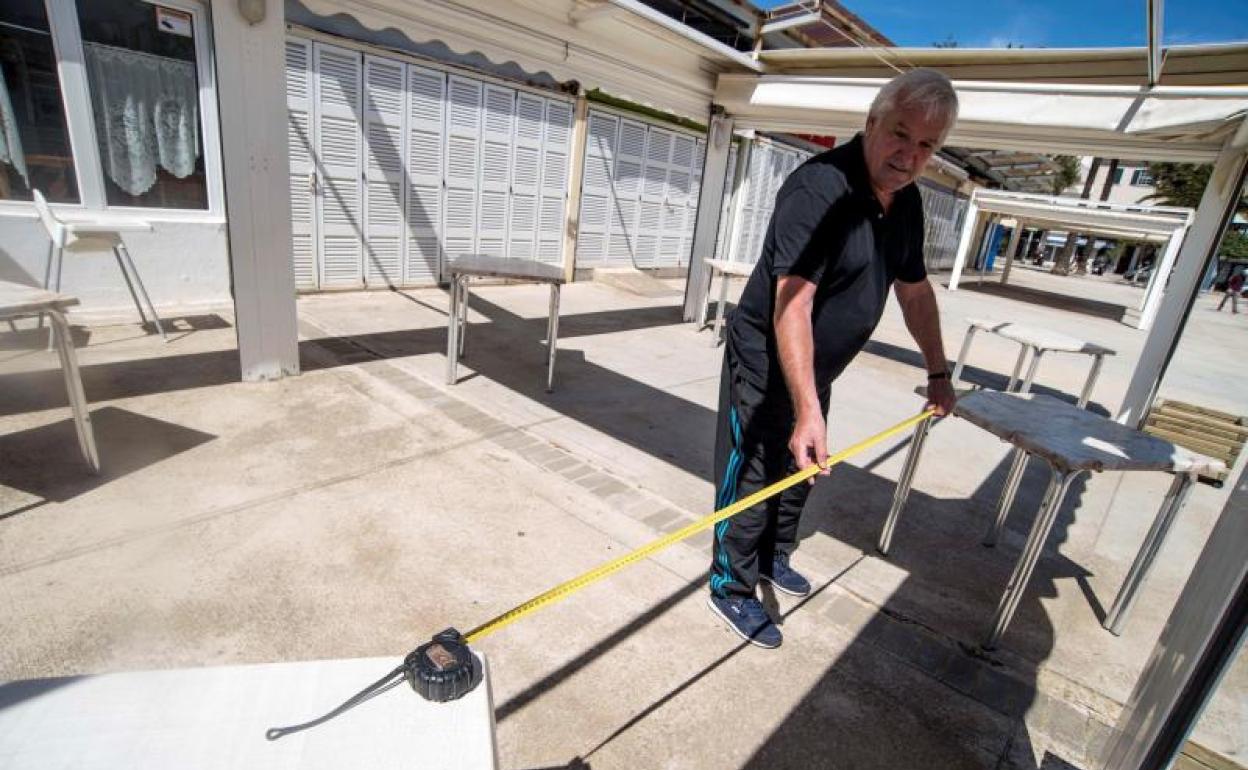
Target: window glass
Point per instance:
(34, 142)
(140, 61)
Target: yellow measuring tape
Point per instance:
(564, 590)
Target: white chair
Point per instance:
(82, 236)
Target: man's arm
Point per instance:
(795, 297)
(918, 307)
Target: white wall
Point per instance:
(185, 267)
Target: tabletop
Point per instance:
(16, 299)
(731, 268)
(1046, 339)
(501, 267)
(1072, 438)
(215, 718)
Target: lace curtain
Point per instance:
(10, 141)
(146, 114)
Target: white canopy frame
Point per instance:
(1159, 224)
(1189, 124)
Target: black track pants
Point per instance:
(751, 451)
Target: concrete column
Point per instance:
(710, 203)
(572, 212)
(964, 242)
(1202, 238)
(1011, 250)
(251, 92)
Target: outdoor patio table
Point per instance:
(727, 271)
(1039, 341)
(215, 718)
(18, 301)
(1071, 441)
(464, 268)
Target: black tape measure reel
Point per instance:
(442, 669)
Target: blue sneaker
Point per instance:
(785, 578)
(746, 616)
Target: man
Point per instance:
(1233, 287)
(846, 225)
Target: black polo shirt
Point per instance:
(828, 228)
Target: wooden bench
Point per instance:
(1216, 434)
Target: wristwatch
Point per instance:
(937, 376)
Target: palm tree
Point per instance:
(1067, 174)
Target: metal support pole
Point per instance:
(1012, 479)
(462, 333)
(552, 336)
(1018, 367)
(1176, 497)
(73, 386)
(1026, 564)
(452, 331)
(904, 483)
(1036, 353)
(719, 308)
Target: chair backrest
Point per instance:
(56, 230)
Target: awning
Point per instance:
(1137, 222)
(621, 47)
(1178, 123)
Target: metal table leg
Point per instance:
(1008, 490)
(1018, 367)
(1176, 497)
(1036, 353)
(719, 308)
(1087, 386)
(452, 332)
(1031, 554)
(966, 348)
(73, 385)
(121, 252)
(552, 336)
(903, 484)
(463, 314)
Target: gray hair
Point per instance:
(924, 89)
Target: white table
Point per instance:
(215, 719)
(727, 270)
(1038, 341)
(1071, 441)
(17, 301)
(463, 269)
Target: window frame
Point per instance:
(80, 122)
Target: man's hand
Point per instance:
(809, 443)
(940, 396)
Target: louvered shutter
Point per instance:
(498, 126)
(526, 178)
(338, 143)
(675, 201)
(725, 209)
(383, 176)
(597, 198)
(691, 202)
(745, 232)
(300, 143)
(426, 106)
(463, 125)
(556, 150)
(623, 246)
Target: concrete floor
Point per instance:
(359, 508)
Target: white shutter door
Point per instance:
(725, 209)
(463, 128)
(597, 198)
(691, 202)
(300, 147)
(749, 189)
(338, 132)
(426, 102)
(675, 201)
(498, 125)
(526, 177)
(623, 246)
(556, 150)
(383, 175)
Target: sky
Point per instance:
(1048, 23)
